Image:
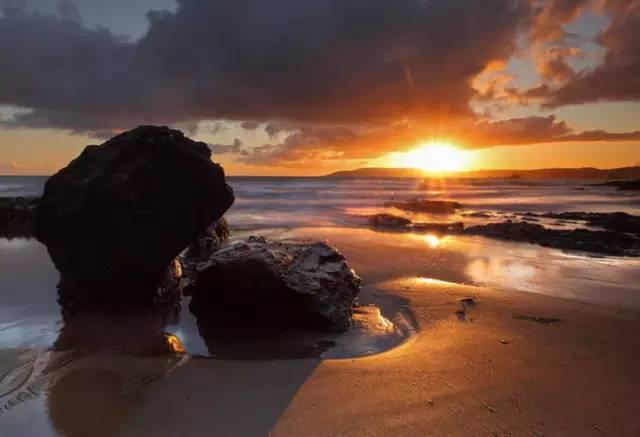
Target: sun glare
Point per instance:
(436, 157)
(432, 240)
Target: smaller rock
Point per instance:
(209, 242)
(426, 206)
(622, 185)
(478, 214)
(444, 228)
(275, 284)
(537, 319)
(17, 217)
(468, 301)
(388, 221)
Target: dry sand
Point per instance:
(496, 367)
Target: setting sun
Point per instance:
(436, 157)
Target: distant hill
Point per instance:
(546, 173)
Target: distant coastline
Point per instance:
(586, 173)
(620, 173)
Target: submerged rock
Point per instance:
(603, 242)
(276, 285)
(612, 221)
(116, 216)
(388, 221)
(478, 214)
(17, 216)
(426, 206)
(443, 228)
(391, 221)
(622, 185)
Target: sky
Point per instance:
(307, 87)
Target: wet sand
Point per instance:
(482, 361)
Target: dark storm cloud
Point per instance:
(327, 60)
(56, 66)
(68, 10)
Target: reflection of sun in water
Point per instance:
(432, 240)
(174, 343)
(430, 281)
(436, 157)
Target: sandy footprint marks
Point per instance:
(21, 376)
(26, 374)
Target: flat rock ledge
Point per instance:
(632, 185)
(584, 240)
(615, 234)
(275, 285)
(426, 206)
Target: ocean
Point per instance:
(335, 210)
(275, 202)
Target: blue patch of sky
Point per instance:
(122, 17)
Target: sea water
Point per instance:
(336, 210)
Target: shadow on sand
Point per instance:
(125, 376)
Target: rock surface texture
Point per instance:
(276, 285)
(116, 216)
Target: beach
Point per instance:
(322, 218)
(455, 335)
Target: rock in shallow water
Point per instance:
(116, 216)
(17, 217)
(276, 285)
(633, 185)
(603, 242)
(426, 206)
(388, 221)
(611, 221)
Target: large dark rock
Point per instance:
(17, 217)
(275, 285)
(116, 216)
